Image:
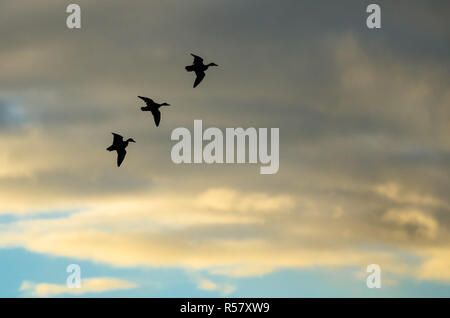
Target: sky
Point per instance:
(364, 154)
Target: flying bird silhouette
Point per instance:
(199, 68)
(119, 145)
(153, 107)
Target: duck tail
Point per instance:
(189, 68)
(110, 148)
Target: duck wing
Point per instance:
(147, 100)
(156, 116)
(197, 59)
(120, 156)
(199, 78)
(118, 139)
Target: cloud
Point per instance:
(167, 232)
(224, 289)
(224, 199)
(207, 285)
(88, 285)
(436, 265)
(394, 192)
(416, 220)
(363, 130)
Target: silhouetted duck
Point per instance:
(153, 107)
(119, 145)
(199, 68)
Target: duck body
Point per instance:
(153, 107)
(199, 68)
(120, 145)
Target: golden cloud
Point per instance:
(167, 232)
(206, 284)
(88, 285)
